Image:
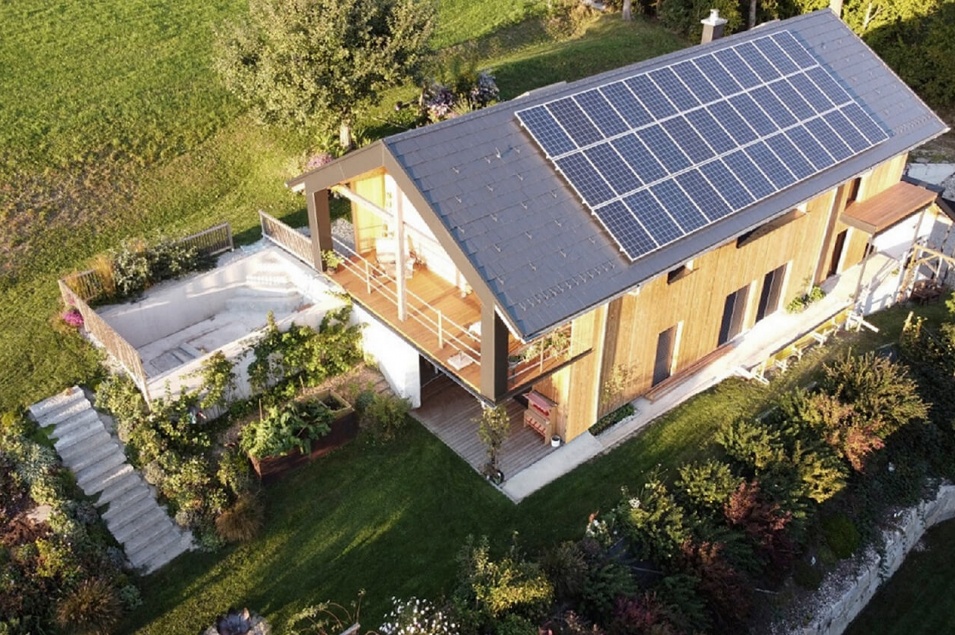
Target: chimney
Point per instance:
(713, 26)
(836, 7)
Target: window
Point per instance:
(734, 312)
(772, 292)
(666, 354)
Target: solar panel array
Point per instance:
(666, 152)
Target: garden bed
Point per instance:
(344, 428)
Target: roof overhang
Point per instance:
(887, 208)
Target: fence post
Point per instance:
(440, 328)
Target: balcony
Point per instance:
(440, 320)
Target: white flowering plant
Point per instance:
(416, 616)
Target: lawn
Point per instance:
(114, 126)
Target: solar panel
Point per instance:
(653, 217)
(663, 153)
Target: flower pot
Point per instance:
(555, 441)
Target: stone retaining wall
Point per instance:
(842, 596)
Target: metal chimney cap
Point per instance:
(714, 19)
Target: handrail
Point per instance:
(114, 343)
(437, 326)
(294, 242)
(212, 241)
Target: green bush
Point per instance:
(807, 576)
(707, 486)
(131, 269)
(385, 417)
(285, 428)
(119, 396)
(653, 523)
(611, 419)
(841, 535)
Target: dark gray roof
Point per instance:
(542, 254)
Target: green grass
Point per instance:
(114, 126)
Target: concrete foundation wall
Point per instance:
(841, 598)
(396, 359)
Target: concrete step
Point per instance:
(71, 410)
(94, 483)
(128, 527)
(81, 441)
(96, 454)
(80, 421)
(125, 481)
(56, 402)
(142, 540)
(118, 516)
(162, 552)
(104, 466)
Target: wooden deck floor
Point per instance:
(450, 413)
(432, 296)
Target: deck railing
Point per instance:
(121, 350)
(539, 355)
(294, 242)
(445, 330)
(211, 242)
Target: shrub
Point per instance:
(218, 380)
(73, 317)
(567, 568)
(494, 424)
(131, 269)
(385, 417)
(171, 259)
(728, 595)
(241, 522)
(653, 523)
(707, 486)
(119, 396)
(841, 535)
(488, 589)
(235, 472)
(611, 419)
(92, 608)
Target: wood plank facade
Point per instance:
(614, 352)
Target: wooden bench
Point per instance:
(673, 381)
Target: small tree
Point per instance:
(493, 426)
(311, 61)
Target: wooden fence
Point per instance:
(294, 242)
(121, 350)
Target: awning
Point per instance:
(887, 208)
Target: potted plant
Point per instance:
(493, 427)
(332, 260)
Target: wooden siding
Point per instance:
(696, 300)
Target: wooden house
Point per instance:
(587, 243)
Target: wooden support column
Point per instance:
(865, 261)
(319, 226)
(494, 340)
(400, 258)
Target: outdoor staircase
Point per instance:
(151, 539)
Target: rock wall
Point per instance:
(842, 596)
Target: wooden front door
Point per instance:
(663, 364)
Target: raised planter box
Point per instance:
(344, 428)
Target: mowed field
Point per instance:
(113, 125)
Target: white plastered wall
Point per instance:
(396, 359)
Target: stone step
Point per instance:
(129, 527)
(104, 466)
(81, 440)
(118, 516)
(162, 552)
(135, 500)
(74, 409)
(126, 480)
(56, 402)
(96, 454)
(142, 540)
(98, 482)
(81, 420)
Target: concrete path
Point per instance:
(126, 502)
